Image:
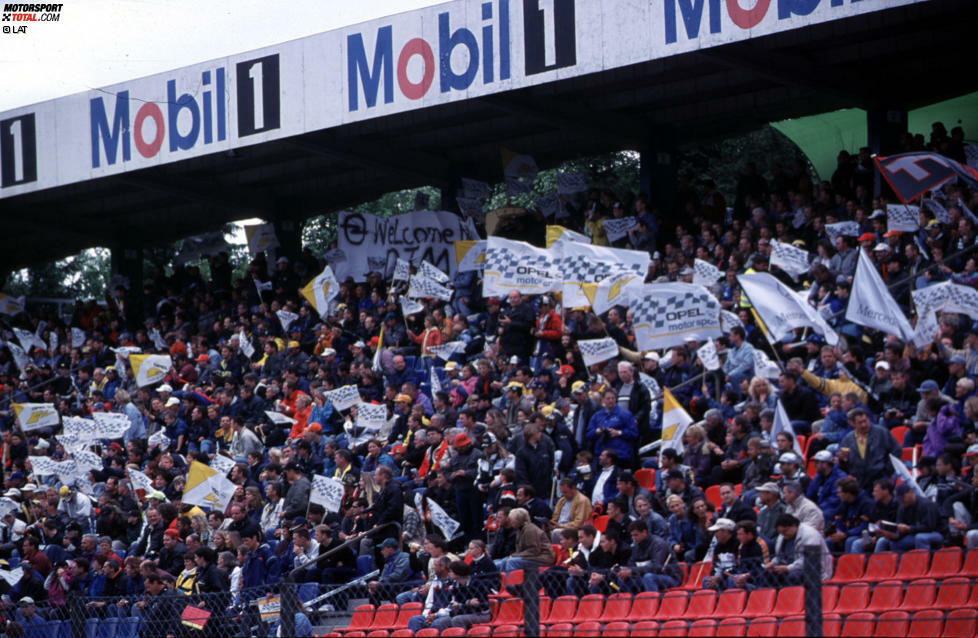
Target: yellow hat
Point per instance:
(578, 386)
(514, 385)
(547, 410)
(406, 398)
(63, 491)
(293, 344)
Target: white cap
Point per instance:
(166, 387)
(172, 401)
(880, 247)
(723, 523)
(12, 492)
(882, 364)
(789, 457)
(651, 356)
(42, 444)
(824, 455)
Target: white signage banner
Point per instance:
(666, 315)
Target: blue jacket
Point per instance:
(739, 363)
(260, 568)
(835, 426)
(853, 518)
(397, 568)
(821, 491)
(617, 418)
(682, 532)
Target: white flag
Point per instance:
(321, 290)
(568, 183)
(8, 505)
(940, 213)
(12, 576)
(79, 428)
(20, 357)
(244, 343)
(278, 418)
(29, 340)
(932, 297)
(780, 309)
(905, 475)
(650, 384)
(420, 286)
(470, 255)
(150, 368)
(78, 338)
(580, 262)
(708, 355)
(34, 416)
(42, 465)
(434, 382)
(221, 463)
(445, 351)
(617, 227)
(326, 491)
(597, 350)
(667, 315)
(286, 318)
(431, 271)
(516, 265)
(848, 229)
(402, 270)
(728, 320)
(110, 425)
(86, 460)
(159, 439)
(705, 273)
(872, 305)
(926, 328)
(791, 259)
(764, 367)
(207, 487)
(902, 217)
(783, 424)
(519, 167)
(442, 520)
(410, 306)
(371, 416)
(621, 289)
(140, 481)
(343, 398)
(260, 237)
(675, 420)
(11, 305)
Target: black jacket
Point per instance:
(654, 556)
(535, 465)
(388, 507)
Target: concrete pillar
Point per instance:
(884, 126)
(127, 262)
(289, 234)
(657, 170)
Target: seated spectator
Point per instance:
(787, 565)
(851, 516)
(919, 524)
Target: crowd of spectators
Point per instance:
(527, 449)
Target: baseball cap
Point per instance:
(402, 398)
(514, 385)
(723, 523)
(958, 359)
(877, 213)
(12, 492)
(892, 233)
(203, 359)
(565, 369)
(902, 489)
(928, 386)
(578, 386)
(881, 247)
(461, 440)
(789, 457)
(972, 450)
(172, 533)
(450, 365)
(25, 601)
(398, 449)
(651, 356)
(282, 260)
(166, 387)
(867, 237)
(388, 542)
(172, 401)
(769, 487)
(824, 455)
(882, 364)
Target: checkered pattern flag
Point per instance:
(568, 183)
(86, 460)
(650, 384)
(516, 265)
(930, 298)
(849, 229)
(221, 463)
(29, 340)
(705, 273)
(78, 338)
(410, 306)
(442, 520)
(431, 271)
(8, 505)
(708, 355)
(671, 314)
(902, 217)
(940, 213)
(728, 320)
(71, 442)
(371, 416)
(962, 299)
(764, 367)
(43, 465)
(277, 418)
(791, 259)
(446, 350)
(344, 398)
(286, 318)
(326, 491)
(421, 286)
(926, 328)
(617, 227)
(159, 439)
(82, 429)
(110, 425)
(140, 481)
(402, 270)
(597, 350)
(435, 382)
(583, 263)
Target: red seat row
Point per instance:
(917, 563)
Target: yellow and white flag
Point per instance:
(33, 416)
(470, 255)
(207, 487)
(557, 233)
(675, 420)
(11, 305)
(321, 290)
(261, 237)
(150, 368)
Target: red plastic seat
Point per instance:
(763, 627)
(479, 631)
(363, 617)
(600, 523)
(587, 629)
(695, 574)
(644, 607)
(704, 628)
(617, 607)
(946, 563)
(672, 628)
(886, 596)
(590, 608)
(848, 569)
(899, 433)
(973, 601)
(402, 633)
(616, 629)
(926, 624)
(961, 623)
(831, 625)
(356, 634)
(859, 625)
(920, 595)
(880, 567)
(514, 577)
(404, 614)
(792, 626)
(646, 628)
(379, 633)
(913, 564)
(646, 478)
(561, 611)
(559, 630)
(852, 598)
(713, 496)
(701, 604)
(791, 602)
(760, 603)
(453, 631)
(892, 624)
(427, 632)
(510, 612)
(507, 631)
(953, 593)
(970, 566)
(730, 603)
(386, 616)
(731, 628)
(830, 594)
(672, 605)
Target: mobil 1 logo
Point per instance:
(549, 35)
(259, 105)
(18, 150)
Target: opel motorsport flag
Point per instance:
(584, 263)
(150, 368)
(516, 265)
(675, 420)
(207, 487)
(321, 290)
(470, 255)
(615, 290)
(666, 315)
(33, 416)
(780, 309)
(559, 233)
(872, 305)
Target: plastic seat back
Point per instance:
(763, 627)
(701, 604)
(408, 610)
(953, 593)
(645, 628)
(886, 596)
(920, 595)
(600, 523)
(760, 603)
(378, 633)
(644, 607)
(480, 631)
(704, 628)
(730, 603)
(560, 630)
(673, 628)
(926, 624)
(970, 566)
(616, 607)
(848, 569)
(892, 624)
(881, 566)
(402, 633)
(427, 632)
(510, 612)
(589, 608)
(830, 594)
(616, 629)
(792, 626)
(791, 602)
(852, 598)
(913, 564)
(587, 629)
(946, 563)
(363, 617)
(385, 617)
(713, 496)
(673, 605)
(646, 478)
(858, 625)
(734, 627)
(507, 631)
(562, 610)
(961, 623)
(695, 575)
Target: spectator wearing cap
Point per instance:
(822, 489)
(33, 623)
(770, 507)
(462, 471)
(956, 371)
(790, 468)
(612, 428)
(677, 483)
(929, 389)
(919, 524)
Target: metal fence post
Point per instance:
(531, 599)
(813, 591)
(289, 606)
